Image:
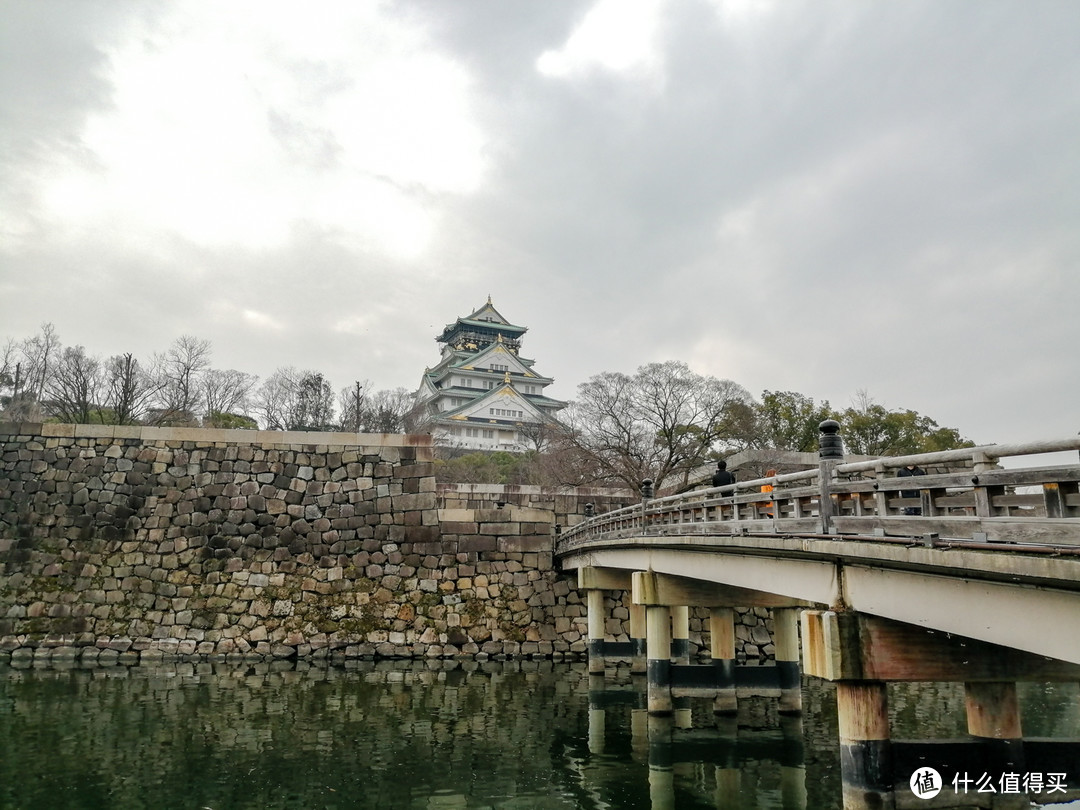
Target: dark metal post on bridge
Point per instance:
(830, 454)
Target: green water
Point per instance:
(420, 735)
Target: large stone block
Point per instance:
(525, 543)
(421, 534)
(477, 544)
(500, 529)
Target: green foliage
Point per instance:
(235, 421)
(498, 467)
(872, 430)
(787, 420)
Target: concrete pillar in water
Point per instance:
(661, 773)
(680, 654)
(637, 639)
(993, 718)
(722, 647)
(786, 642)
(862, 710)
(680, 634)
(793, 765)
(658, 646)
(595, 607)
(597, 715)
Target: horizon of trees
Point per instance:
(42, 380)
(661, 423)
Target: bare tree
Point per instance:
(181, 370)
(385, 411)
(364, 411)
(226, 392)
(275, 399)
(10, 370)
(351, 402)
(73, 388)
(39, 353)
(27, 366)
(541, 437)
(296, 400)
(130, 389)
(660, 423)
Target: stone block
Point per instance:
(477, 543)
(529, 543)
(499, 529)
(421, 534)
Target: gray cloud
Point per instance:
(816, 197)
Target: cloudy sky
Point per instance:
(820, 196)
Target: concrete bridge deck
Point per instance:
(992, 554)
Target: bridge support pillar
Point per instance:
(595, 583)
(594, 603)
(722, 647)
(680, 634)
(658, 646)
(661, 765)
(637, 639)
(786, 642)
(680, 654)
(865, 751)
(597, 716)
(993, 718)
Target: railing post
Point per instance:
(646, 496)
(984, 495)
(830, 453)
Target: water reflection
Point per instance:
(426, 735)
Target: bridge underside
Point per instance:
(1008, 600)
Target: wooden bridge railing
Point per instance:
(975, 501)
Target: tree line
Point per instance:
(42, 380)
(663, 422)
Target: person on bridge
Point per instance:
(722, 476)
(906, 472)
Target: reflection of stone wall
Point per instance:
(127, 544)
(200, 735)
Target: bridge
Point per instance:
(969, 572)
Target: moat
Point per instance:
(439, 734)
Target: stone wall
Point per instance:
(567, 503)
(123, 544)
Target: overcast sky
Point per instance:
(822, 197)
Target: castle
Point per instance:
(483, 395)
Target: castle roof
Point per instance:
(486, 319)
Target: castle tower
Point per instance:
(483, 395)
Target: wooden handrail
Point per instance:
(1036, 506)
